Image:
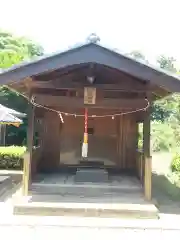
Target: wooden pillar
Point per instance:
(148, 178)
(2, 134)
(146, 155)
(29, 152)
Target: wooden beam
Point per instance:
(73, 85)
(29, 153)
(61, 101)
(100, 93)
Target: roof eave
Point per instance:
(95, 54)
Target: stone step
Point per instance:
(120, 210)
(5, 183)
(87, 190)
(8, 184)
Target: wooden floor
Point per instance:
(60, 195)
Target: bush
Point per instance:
(140, 137)
(162, 137)
(11, 157)
(175, 164)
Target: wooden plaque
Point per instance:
(89, 95)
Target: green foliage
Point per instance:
(15, 101)
(136, 54)
(13, 150)
(160, 112)
(140, 143)
(175, 164)
(13, 50)
(166, 63)
(165, 108)
(162, 109)
(140, 137)
(167, 111)
(162, 138)
(11, 157)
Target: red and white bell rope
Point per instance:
(85, 140)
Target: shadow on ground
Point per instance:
(7, 188)
(166, 194)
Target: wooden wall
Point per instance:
(50, 141)
(102, 143)
(127, 142)
(114, 141)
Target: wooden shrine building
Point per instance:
(117, 91)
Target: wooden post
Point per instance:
(147, 178)
(2, 134)
(28, 154)
(146, 156)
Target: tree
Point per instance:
(162, 109)
(168, 109)
(166, 63)
(14, 50)
(137, 55)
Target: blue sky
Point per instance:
(151, 26)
